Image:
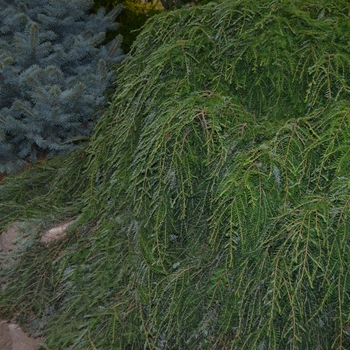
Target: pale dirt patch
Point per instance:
(13, 338)
(7, 239)
(56, 233)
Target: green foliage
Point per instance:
(215, 197)
(173, 4)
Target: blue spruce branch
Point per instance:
(54, 70)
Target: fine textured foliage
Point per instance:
(53, 75)
(215, 194)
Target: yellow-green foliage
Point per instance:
(215, 197)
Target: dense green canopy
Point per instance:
(213, 197)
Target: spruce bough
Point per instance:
(214, 194)
(54, 71)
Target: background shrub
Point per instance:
(137, 12)
(53, 75)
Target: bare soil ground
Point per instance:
(13, 338)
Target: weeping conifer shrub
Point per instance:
(54, 70)
(213, 198)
